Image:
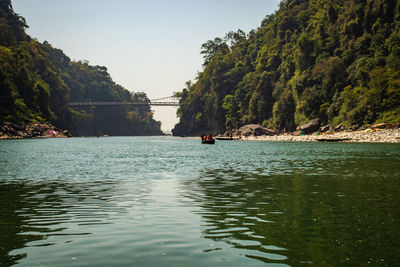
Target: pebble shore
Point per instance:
(364, 136)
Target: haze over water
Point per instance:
(163, 201)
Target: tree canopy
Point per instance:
(337, 60)
(37, 80)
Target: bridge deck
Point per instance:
(151, 103)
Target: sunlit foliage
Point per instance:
(337, 60)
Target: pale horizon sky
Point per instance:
(149, 46)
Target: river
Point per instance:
(164, 201)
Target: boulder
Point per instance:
(250, 129)
(309, 127)
(324, 129)
(17, 126)
(339, 128)
(67, 133)
(383, 126)
(296, 133)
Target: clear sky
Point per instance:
(152, 46)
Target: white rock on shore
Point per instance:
(365, 136)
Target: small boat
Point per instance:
(225, 138)
(209, 142)
(333, 139)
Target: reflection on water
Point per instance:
(44, 213)
(173, 202)
(324, 212)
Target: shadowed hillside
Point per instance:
(37, 81)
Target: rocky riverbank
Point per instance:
(363, 136)
(314, 132)
(10, 130)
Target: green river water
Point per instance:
(164, 201)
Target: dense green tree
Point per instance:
(37, 81)
(337, 60)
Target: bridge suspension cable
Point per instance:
(163, 98)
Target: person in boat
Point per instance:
(203, 137)
(210, 137)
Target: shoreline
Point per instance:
(364, 136)
(391, 136)
(10, 130)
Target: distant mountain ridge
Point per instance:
(37, 81)
(336, 60)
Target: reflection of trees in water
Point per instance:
(12, 223)
(297, 219)
(32, 212)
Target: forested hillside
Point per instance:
(37, 80)
(336, 60)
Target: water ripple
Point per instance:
(174, 202)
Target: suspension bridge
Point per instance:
(161, 102)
